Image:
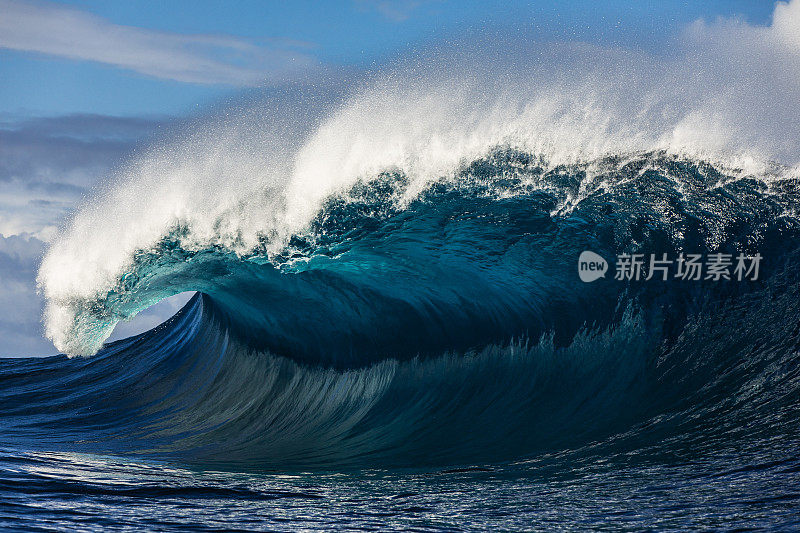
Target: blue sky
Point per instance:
(83, 83)
(63, 77)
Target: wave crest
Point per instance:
(255, 176)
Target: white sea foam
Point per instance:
(728, 92)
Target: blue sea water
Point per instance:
(437, 364)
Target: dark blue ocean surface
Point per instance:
(438, 364)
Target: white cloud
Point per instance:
(20, 307)
(48, 164)
(747, 80)
(46, 167)
(207, 59)
(743, 41)
(786, 24)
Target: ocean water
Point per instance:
(428, 358)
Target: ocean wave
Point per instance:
(389, 275)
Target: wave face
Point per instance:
(449, 326)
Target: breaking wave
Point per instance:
(387, 273)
